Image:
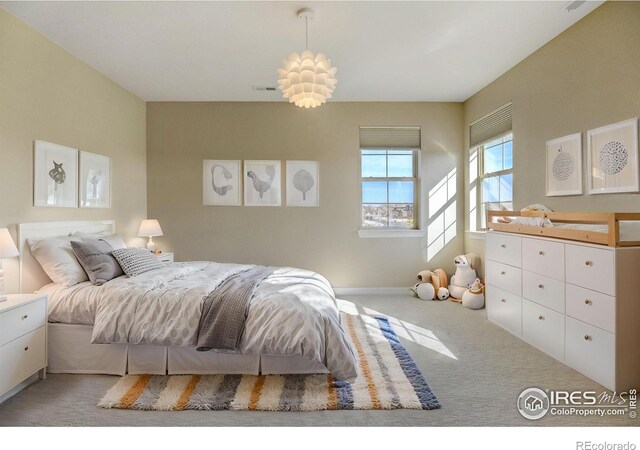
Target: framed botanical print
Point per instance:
(221, 182)
(55, 175)
(612, 153)
(262, 183)
(564, 165)
(95, 180)
(303, 185)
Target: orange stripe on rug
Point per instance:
(134, 393)
(188, 390)
(256, 392)
(332, 403)
(364, 365)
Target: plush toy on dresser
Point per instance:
(465, 274)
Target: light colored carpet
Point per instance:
(476, 369)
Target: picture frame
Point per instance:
(612, 152)
(303, 183)
(95, 180)
(55, 175)
(564, 166)
(221, 182)
(262, 183)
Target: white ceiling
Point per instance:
(384, 51)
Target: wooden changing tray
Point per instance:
(610, 238)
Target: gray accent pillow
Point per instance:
(95, 258)
(135, 261)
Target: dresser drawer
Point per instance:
(505, 309)
(590, 267)
(543, 257)
(21, 358)
(543, 290)
(591, 351)
(21, 320)
(591, 307)
(504, 248)
(504, 277)
(543, 328)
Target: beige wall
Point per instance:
(48, 94)
(586, 77)
(325, 239)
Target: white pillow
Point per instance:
(57, 259)
(114, 240)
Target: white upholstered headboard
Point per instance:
(31, 276)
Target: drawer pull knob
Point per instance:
(504, 246)
(541, 286)
(502, 273)
(541, 253)
(540, 317)
(588, 263)
(24, 317)
(587, 301)
(26, 348)
(587, 337)
(504, 300)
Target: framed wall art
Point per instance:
(303, 183)
(95, 180)
(55, 175)
(612, 153)
(564, 165)
(221, 182)
(262, 183)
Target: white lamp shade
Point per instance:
(150, 228)
(7, 246)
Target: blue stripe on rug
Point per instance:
(345, 395)
(420, 386)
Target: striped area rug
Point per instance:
(388, 379)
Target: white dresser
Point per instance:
(578, 302)
(23, 339)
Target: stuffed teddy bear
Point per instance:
(473, 298)
(431, 285)
(465, 274)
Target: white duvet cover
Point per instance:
(293, 312)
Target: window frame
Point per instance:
(391, 230)
(481, 176)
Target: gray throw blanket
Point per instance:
(225, 310)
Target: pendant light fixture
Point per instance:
(307, 80)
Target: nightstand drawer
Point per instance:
(21, 320)
(21, 358)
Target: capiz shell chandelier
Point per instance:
(307, 80)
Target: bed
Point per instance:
(269, 345)
(611, 229)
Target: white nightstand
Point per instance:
(165, 257)
(23, 339)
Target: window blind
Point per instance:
(390, 137)
(490, 126)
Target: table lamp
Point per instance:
(7, 250)
(150, 228)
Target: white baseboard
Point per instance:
(372, 291)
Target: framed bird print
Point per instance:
(95, 180)
(302, 183)
(55, 175)
(221, 182)
(262, 183)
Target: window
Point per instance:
(490, 179)
(389, 183)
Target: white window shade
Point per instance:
(390, 137)
(492, 125)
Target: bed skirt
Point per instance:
(70, 351)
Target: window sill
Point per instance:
(373, 233)
(476, 234)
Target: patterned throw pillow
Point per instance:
(135, 261)
(95, 258)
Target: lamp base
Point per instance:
(151, 246)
